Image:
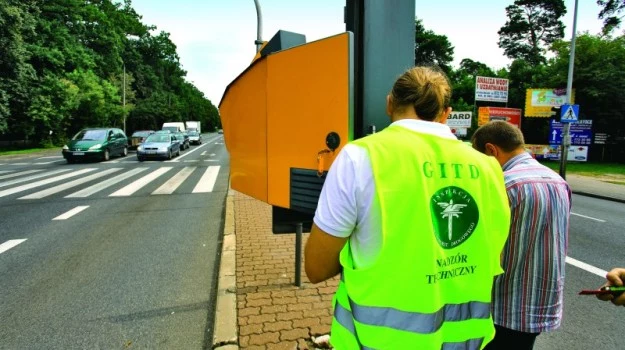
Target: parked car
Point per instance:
(96, 143)
(184, 139)
(195, 137)
(138, 137)
(220, 131)
(158, 145)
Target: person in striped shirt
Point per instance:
(528, 297)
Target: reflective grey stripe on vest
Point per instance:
(470, 344)
(415, 322)
(418, 322)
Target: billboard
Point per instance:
(459, 119)
(538, 102)
(510, 115)
(491, 89)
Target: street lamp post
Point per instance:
(259, 27)
(566, 137)
(124, 97)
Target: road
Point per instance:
(596, 238)
(111, 267)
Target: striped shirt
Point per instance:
(528, 297)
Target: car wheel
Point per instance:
(140, 159)
(169, 155)
(178, 153)
(70, 160)
(107, 155)
(125, 151)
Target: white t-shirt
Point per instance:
(346, 200)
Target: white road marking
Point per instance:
(65, 186)
(192, 161)
(203, 153)
(18, 174)
(71, 213)
(28, 178)
(207, 181)
(20, 163)
(170, 186)
(587, 217)
(10, 244)
(86, 192)
(189, 152)
(5, 171)
(138, 184)
(49, 157)
(43, 182)
(582, 265)
(211, 160)
(44, 163)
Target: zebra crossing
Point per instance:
(110, 182)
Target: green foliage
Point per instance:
(62, 67)
(531, 27)
(610, 14)
(431, 48)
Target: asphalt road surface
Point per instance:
(596, 244)
(111, 255)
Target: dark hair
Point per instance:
(425, 88)
(502, 134)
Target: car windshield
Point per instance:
(90, 135)
(141, 133)
(193, 133)
(158, 138)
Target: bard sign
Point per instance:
(459, 119)
(491, 89)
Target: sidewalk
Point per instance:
(259, 307)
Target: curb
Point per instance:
(225, 335)
(593, 195)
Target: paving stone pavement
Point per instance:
(272, 312)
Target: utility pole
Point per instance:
(259, 27)
(124, 97)
(566, 136)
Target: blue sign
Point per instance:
(569, 113)
(580, 131)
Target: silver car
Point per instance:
(195, 137)
(158, 145)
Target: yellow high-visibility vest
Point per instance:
(445, 219)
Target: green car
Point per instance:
(96, 143)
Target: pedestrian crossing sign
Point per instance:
(569, 113)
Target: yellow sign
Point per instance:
(538, 102)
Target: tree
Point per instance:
(432, 48)
(532, 26)
(610, 13)
(598, 80)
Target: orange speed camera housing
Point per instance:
(286, 117)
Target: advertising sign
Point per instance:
(575, 154)
(510, 115)
(491, 89)
(459, 119)
(459, 131)
(580, 131)
(538, 102)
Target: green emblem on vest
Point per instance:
(454, 215)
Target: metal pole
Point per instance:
(124, 98)
(566, 137)
(259, 27)
(298, 254)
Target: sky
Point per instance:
(215, 38)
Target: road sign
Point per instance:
(569, 113)
(581, 132)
